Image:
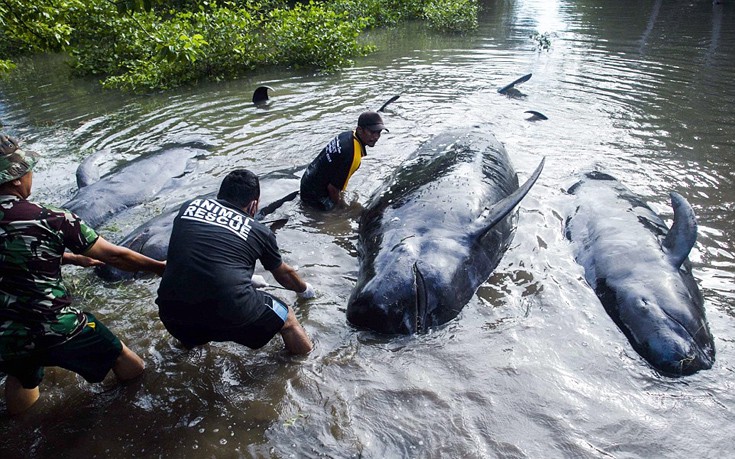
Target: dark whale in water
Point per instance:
(640, 270)
(152, 238)
(434, 232)
(260, 95)
(130, 185)
(510, 90)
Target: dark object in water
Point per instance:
(507, 89)
(130, 185)
(389, 101)
(260, 96)
(434, 232)
(536, 115)
(640, 270)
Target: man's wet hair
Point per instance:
(239, 187)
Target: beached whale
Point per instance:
(130, 185)
(152, 238)
(434, 232)
(639, 268)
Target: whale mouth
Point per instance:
(420, 324)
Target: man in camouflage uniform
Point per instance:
(39, 327)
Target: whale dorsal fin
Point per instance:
(260, 96)
(683, 233)
(503, 207)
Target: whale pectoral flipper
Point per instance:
(421, 300)
(505, 206)
(510, 86)
(682, 236)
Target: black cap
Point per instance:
(372, 121)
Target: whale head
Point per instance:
(663, 319)
(414, 288)
(675, 339)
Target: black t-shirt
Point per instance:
(334, 165)
(211, 259)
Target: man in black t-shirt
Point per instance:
(207, 293)
(329, 172)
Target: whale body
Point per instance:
(434, 232)
(132, 184)
(152, 237)
(639, 269)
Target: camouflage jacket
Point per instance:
(35, 306)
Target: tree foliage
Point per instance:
(158, 44)
(451, 15)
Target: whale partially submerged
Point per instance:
(640, 270)
(434, 232)
(152, 237)
(133, 183)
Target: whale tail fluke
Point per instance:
(505, 206)
(682, 236)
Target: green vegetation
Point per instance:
(157, 44)
(451, 15)
(542, 41)
(380, 13)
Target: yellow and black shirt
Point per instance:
(334, 165)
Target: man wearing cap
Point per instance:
(209, 293)
(329, 172)
(39, 327)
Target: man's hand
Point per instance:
(8, 145)
(308, 293)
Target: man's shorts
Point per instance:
(254, 335)
(318, 203)
(91, 353)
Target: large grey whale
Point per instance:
(133, 183)
(434, 232)
(639, 268)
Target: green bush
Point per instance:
(311, 35)
(143, 50)
(378, 13)
(452, 15)
(160, 44)
(6, 67)
(36, 26)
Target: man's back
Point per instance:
(211, 258)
